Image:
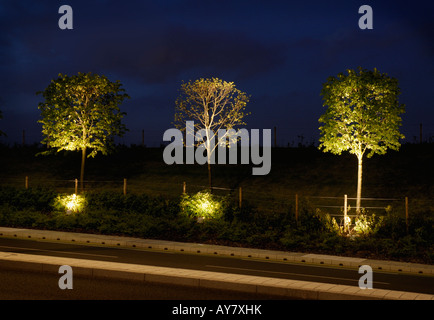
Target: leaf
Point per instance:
(82, 111)
(363, 113)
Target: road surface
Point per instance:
(249, 266)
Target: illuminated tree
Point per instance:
(82, 113)
(362, 116)
(212, 104)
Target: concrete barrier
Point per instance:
(203, 279)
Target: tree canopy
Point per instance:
(363, 113)
(82, 111)
(213, 104)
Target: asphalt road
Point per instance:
(249, 266)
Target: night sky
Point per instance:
(279, 52)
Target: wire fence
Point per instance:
(245, 196)
(336, 205)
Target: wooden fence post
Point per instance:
(26, 184)
(240, 196)
(76, 186)
(125, 186)
(345, 213)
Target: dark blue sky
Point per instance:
(279, 52)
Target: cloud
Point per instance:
(165, 54)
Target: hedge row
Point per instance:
(160, 218)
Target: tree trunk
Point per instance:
(83, 159)
(209, 153)
(359, 185)
(209, 177)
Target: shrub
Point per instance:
(367, 225)
(203, 205)
(226, 223)
(39, 199)
(393, 226)
(142, 204)
(71, 203)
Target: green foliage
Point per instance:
(202, 205)
(367, 225)
(82, 112)
(155, 217)
(39, 199)
(71, 203)
(133, 203)
(393, 226)
(363, 113)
